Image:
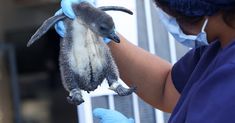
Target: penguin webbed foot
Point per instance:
(122, 91)
(75, 97)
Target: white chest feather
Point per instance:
(85, 51)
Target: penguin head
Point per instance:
(105, 28)
(97, 20)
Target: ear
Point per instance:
(116, 8)
(45, 27)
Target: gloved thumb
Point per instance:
(67, 9)
(131, 120)
(59, 26)
(99, 112)
(111, 116)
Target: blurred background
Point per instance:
(30, 86)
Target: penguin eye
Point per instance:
(102, 28)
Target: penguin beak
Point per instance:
(114, 37)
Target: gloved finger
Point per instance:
(67, 8)
(60, 28)
(59, 12)
(90, 1)
(130, 120)
(107, 113)
(106, 40)
(110, 116)
(100, 112)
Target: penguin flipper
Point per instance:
(45, 27)
(116, 8)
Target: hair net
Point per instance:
(199, 7)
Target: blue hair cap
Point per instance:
(199, 7)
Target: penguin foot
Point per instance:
(121, 91)
(75, 97)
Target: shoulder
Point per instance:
(227, 54)
(183, 69)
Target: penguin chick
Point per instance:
(85, 60)
(97, 20)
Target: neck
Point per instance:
(227, 37)
(218, 29)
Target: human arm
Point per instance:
(149, 73)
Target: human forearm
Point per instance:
(142, 69)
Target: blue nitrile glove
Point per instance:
(111, 116)
(68, 11)
(59, 26)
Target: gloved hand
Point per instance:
(68, 11)
(111, 116)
